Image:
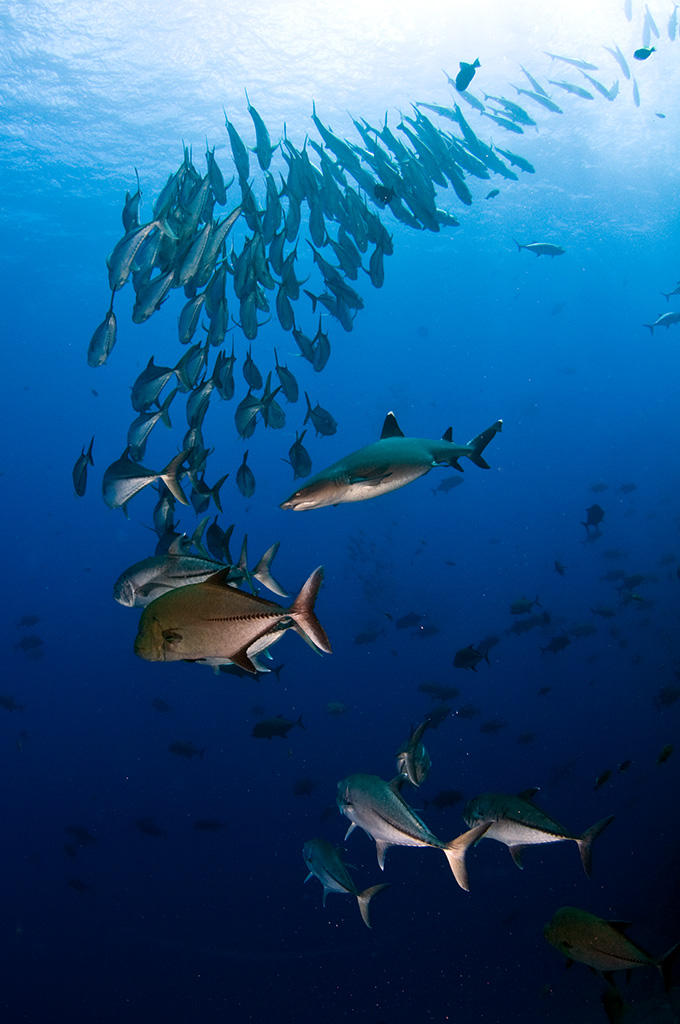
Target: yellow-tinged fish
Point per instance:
(600, 944)
(215, 623)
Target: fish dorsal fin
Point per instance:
(619, 926)
(220, 579)
(448, 434)
(529, 794)
(390, 427)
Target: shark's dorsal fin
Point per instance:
(390, 427)
(448, 434)
(619, 926)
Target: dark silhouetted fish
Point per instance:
(79, 472)
(279, 726)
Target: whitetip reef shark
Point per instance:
(386, 465)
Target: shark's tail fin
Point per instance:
(305, 621)
(479, 443)
(586, 841)
(364, 898)
(455, 852)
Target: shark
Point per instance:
(386, 465)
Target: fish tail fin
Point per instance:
(665, 964)
(169, 477)
(89, 452)
(586, 841)
(667, 294)
(479, 443)
(298, 721)
(455, 853)
(302, 613)
(364, 899)
(314, 298)
(262, 571)
(476, 63)
(651, 328)
(197, 537)
(215, 491)
(519, 247)
(165, 415)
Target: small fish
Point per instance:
(289, 384)
(676, 291)
(413, 760)
(185, 748)
(245, 478)
(523, 606)
(103, 339)
(575, 62)
(298, 457)
(125, 478)
(644, 52)
(575, 90)
(602, 778)
(469, 658)
(466, 74)
(636, 101)
(158, 704)
(79, 472)
(594, 516)
(557, 644)
(664, 320)
(620, 60)
(324, 862)
(541, 248)
(624, 765)
(322, 421)
(336, 707)
(665, 754)
(9, 704)
(517, 822)
(279, 726)
(378, 808)
(559, 568)
(447, 484)
(601, 944)
(408, 620)
(252, 375)
(493, 193)
(148, 827)
(304, 787)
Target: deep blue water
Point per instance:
(199, 925)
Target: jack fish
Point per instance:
(215, 623)
(386, 465)
(517, 822)
(378, 808)
(325, 863)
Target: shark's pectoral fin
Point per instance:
(372, 477)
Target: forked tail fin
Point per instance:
(169, 477)
(301, 611)
(479, 443)
(586, 841)
(262, 571)
(455, 852)
(364, 898)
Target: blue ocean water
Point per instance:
(116, 907)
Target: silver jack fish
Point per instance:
(125, 478)
(601, 944)
(386, 465)
(517, 822)
(215, 623)
(378, 808)
(325, 863)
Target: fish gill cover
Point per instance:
(466, 271)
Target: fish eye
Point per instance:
(171, 636)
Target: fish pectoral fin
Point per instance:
(381, 848)
(516, 854)
(372, 477)
(349, 831)
(241, 659)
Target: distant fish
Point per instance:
(644, 52)
(439, 692)
(447, 484)
(575, 90)
(245, 478)
(79, 472)
(103, 339)
(594, 516)
(541, 248)
(559, 568)
(408, 620)
(557, 644)
(324, 862)
(575, 62)
(466, 74)
(620, 60)
(493, 193)
(413, 760)
(185, 748)
(469, 658)
(664, 320)
(523, 605)
(279, 726)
